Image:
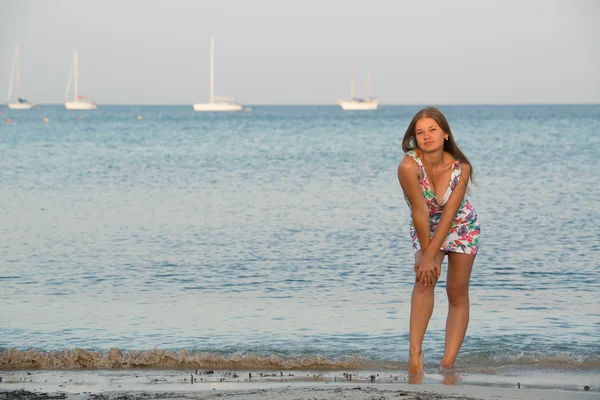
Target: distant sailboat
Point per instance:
(15, 81)
(79, 102)
(217, 103)
(355, 104)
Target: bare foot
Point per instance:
(449, 377)
(415, 368)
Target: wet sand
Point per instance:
(251, 385)
(357, 392)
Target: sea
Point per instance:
(277, 239)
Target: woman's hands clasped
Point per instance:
(428, 268)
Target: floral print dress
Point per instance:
(463, 236)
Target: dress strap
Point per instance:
(456, 174)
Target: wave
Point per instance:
(12, 359)
(480, 361)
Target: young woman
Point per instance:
(434, 175)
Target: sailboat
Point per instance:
(217, 103)
(15, 81)
(354, 103)
(79, 102)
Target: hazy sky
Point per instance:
(301, 52)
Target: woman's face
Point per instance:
(430, 137)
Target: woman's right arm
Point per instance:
(408, 175)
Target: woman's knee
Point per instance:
(423, 290)
(457, 294)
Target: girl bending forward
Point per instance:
(434, 175)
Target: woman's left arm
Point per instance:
(449, 213)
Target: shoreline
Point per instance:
(250, 385)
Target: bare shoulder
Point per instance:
(465, 172)
(408, 165)
(466, 169)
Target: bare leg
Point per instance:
(457, 288)
(421, 308)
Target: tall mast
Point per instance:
(352, 85)
(76, 75)
(12, 74)
(212, 69)
(368, 85)
(18, 67)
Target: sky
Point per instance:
(301, 52)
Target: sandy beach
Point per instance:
(246, 385)
(353, 392)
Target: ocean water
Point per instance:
(278, 239)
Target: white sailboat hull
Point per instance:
(359, 105)
(214, 107)
(356, 104)
(80, 105)
(216, 103)
(79, 102)
(20, 106)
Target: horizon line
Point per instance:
(329, 104)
